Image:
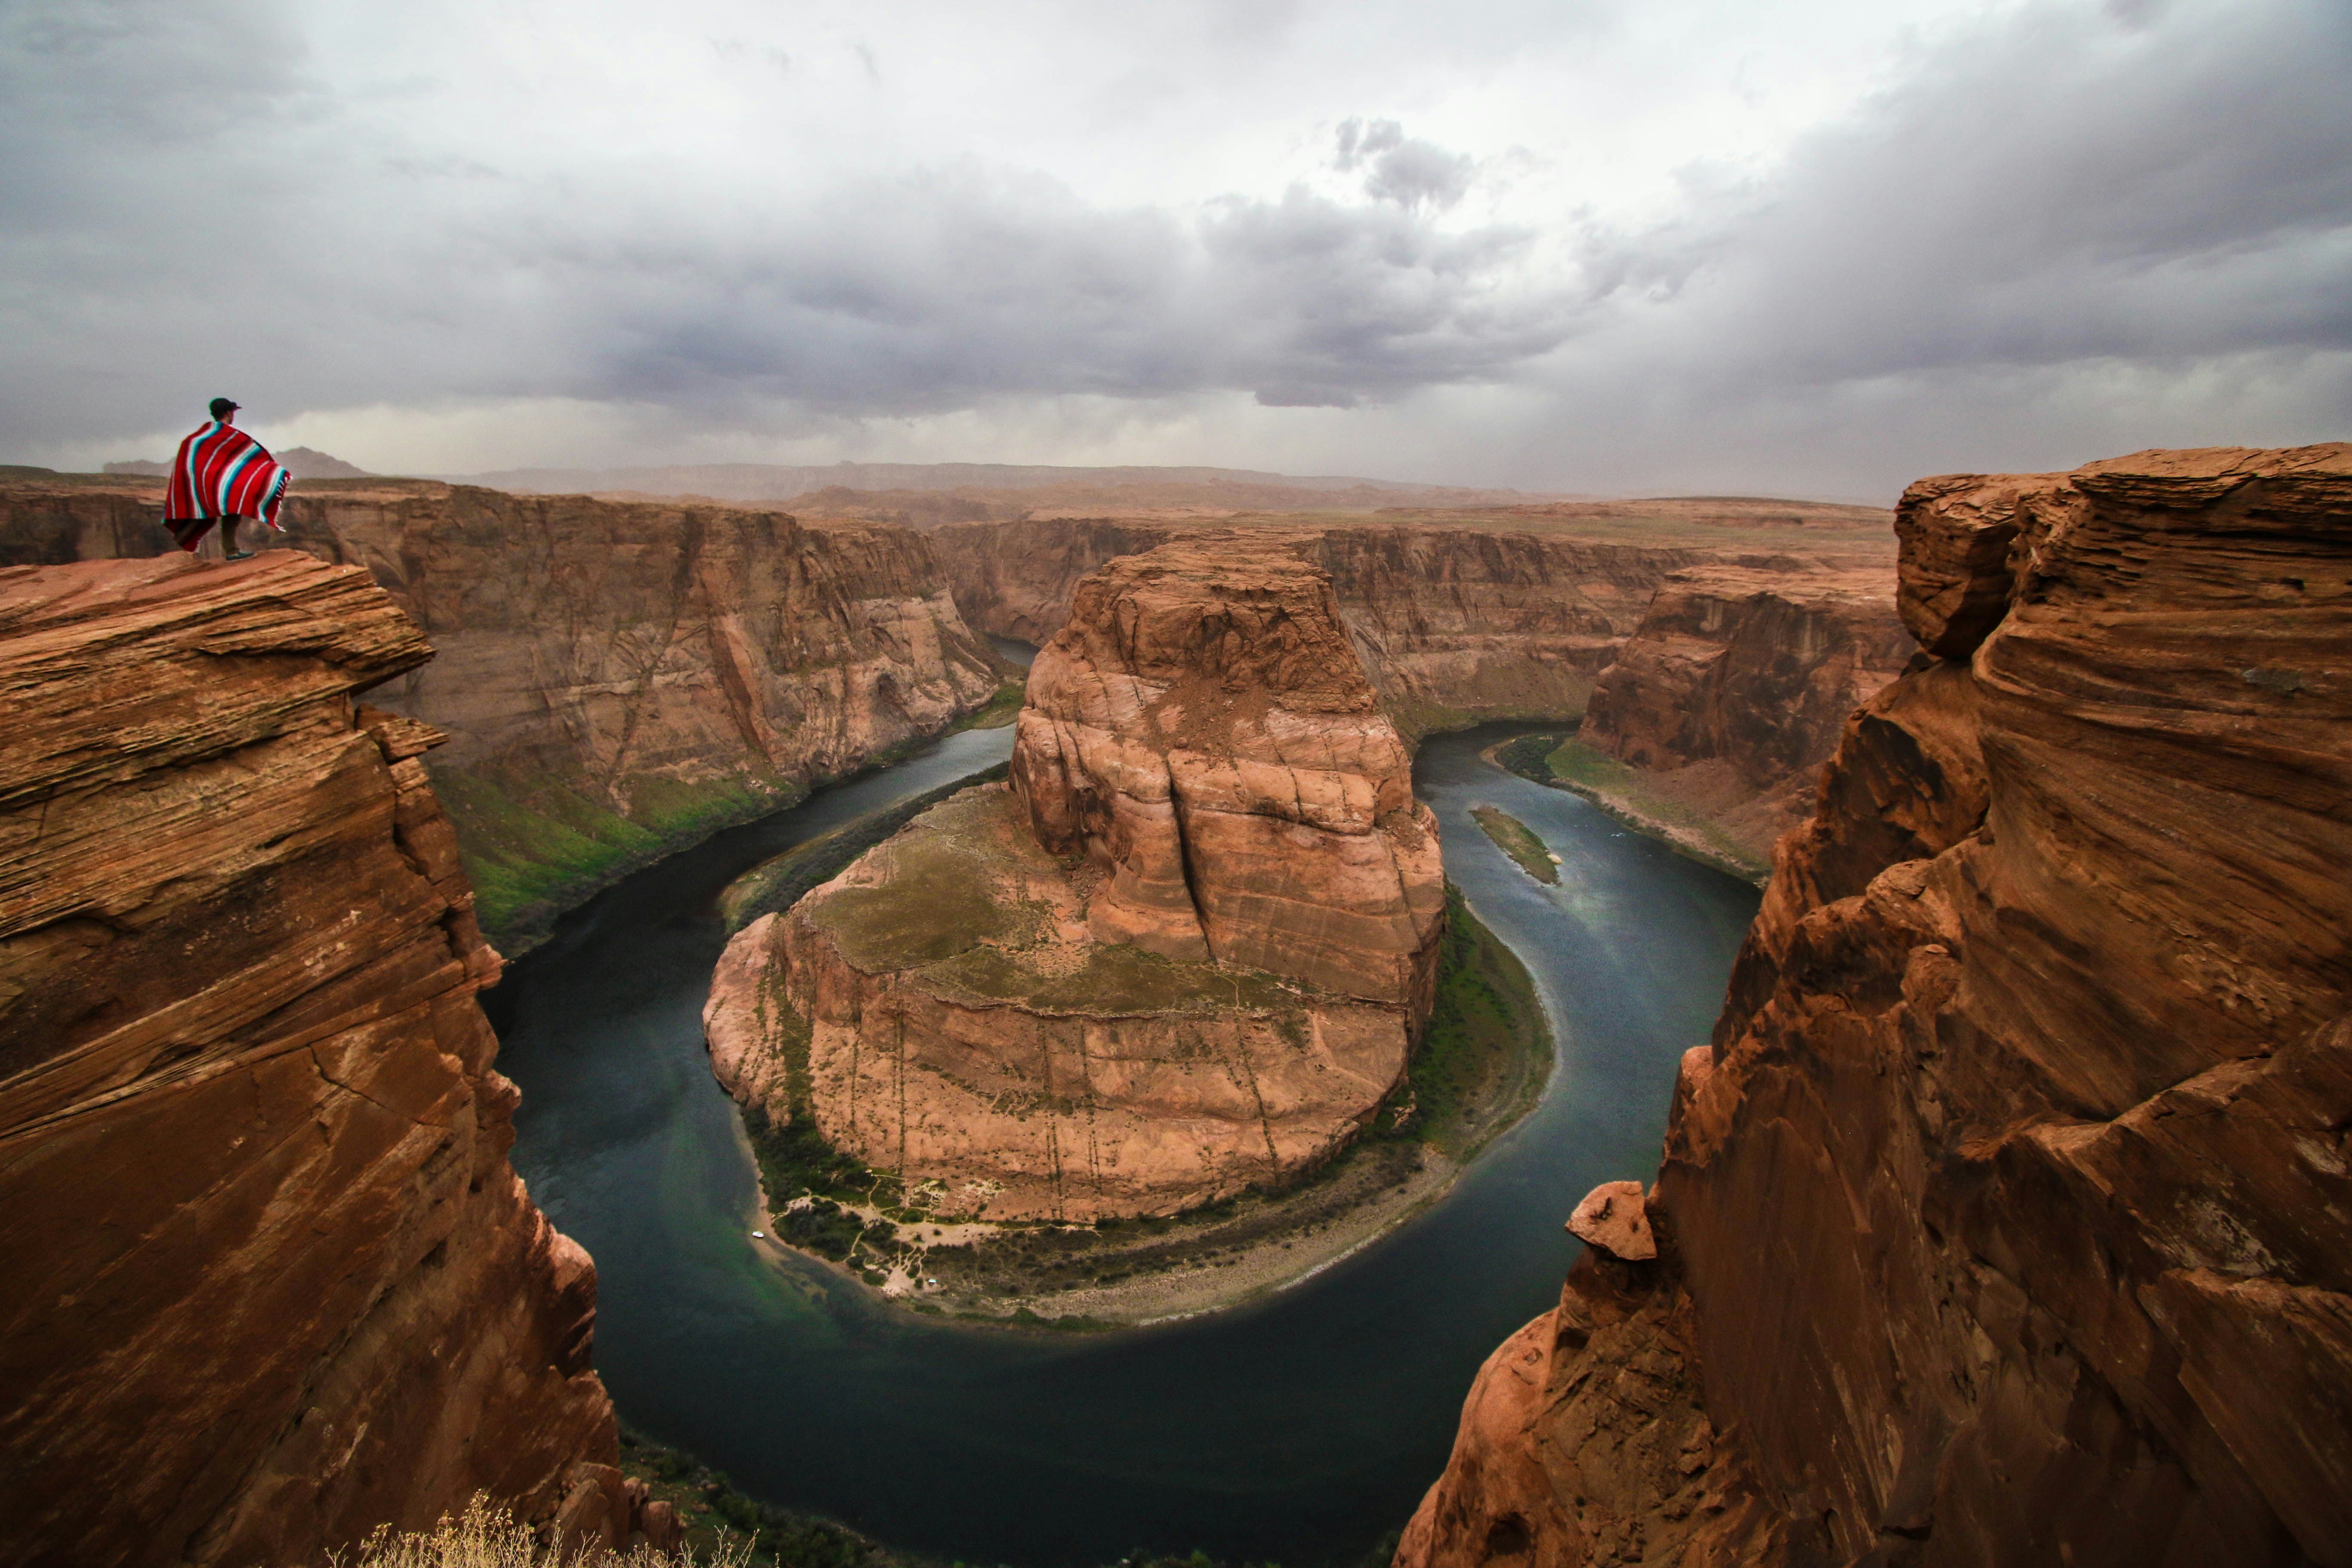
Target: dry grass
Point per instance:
(488, 1537)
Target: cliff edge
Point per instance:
(617, 678)
(271, 1281)
(2008, 1218)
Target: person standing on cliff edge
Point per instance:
(222, 475)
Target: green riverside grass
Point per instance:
(1623, 791)
(533, 848)
(776, 885)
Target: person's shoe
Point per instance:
(240, 555)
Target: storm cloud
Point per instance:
(2017, 233)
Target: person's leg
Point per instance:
(229, 551)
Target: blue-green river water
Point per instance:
(1300, 1429)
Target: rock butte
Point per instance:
(271, 1281)
(617, 678)
(2008, 1218)
(1179, 954)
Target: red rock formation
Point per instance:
(271, 1280)
(1202, 729)
(2008, 1220)
(1454, 624)
(1734, 686)
(1179, 957)
(617, 678)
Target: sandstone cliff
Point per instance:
(2008, 1218)
(1454, 624)
(271, 1281)
(1181, 955)
(1730, 693)
(617, 678)
(1202, 730)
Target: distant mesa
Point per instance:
(1181, 954)
(302, 462)
(897, 492)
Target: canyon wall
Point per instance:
(271, 1281)
(2008, 1218)
(1181, 954)
(1454, 624)
(617, 678)
(1731, 692)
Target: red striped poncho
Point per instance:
(221, 472)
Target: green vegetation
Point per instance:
(1628, 794)
(776, 885)
(796, 1161)
(999, 711)
(728, 1526)
(533, 850)
(1483, 1058)
(1517, 840)
(1526, 754)
(941, 900)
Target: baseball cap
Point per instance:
(221, 405)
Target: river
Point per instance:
(1300, 1429)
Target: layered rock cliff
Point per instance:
(1454, 624)
(617, 678)
(1181, 954)
(1731, 692)
(1202, 730)
(271, 1281)
(2008, 1218)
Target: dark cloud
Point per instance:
(2061, 189)
(2098, 197)
(334, 264)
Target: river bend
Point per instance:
(1300, 1429)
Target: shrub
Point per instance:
(484, 1537)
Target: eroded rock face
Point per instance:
(271, 1281)
(1736, 683)
(2011, 1202)
(1452, 624)
(1202, 729)
(1181, 955)
(617, 678)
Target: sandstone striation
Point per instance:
(1181, 954)
(1454, 624)
(1733, 690)
(2008, 1218)
(271, 1278)
(1201, 729)
(617, 679)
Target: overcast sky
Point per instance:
(1602, 246)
